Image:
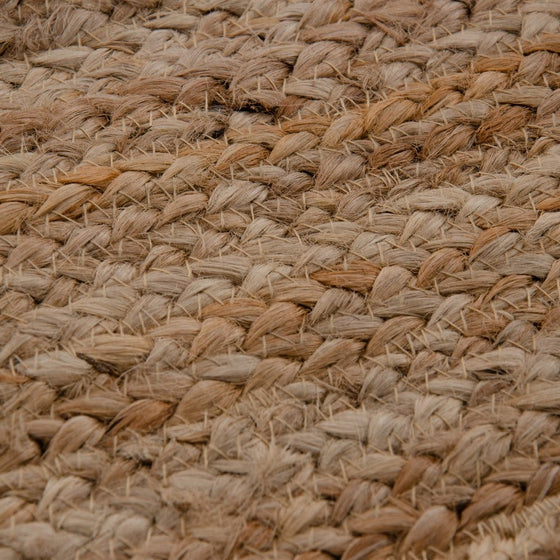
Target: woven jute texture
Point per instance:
(279, 280)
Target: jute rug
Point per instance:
(279, 279)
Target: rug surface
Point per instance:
(279, 279)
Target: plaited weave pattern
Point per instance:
(279, 280)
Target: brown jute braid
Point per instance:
(279, 279)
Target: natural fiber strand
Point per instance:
(279, 280)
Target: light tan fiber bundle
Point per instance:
(279, 280)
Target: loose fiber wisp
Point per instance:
(279, 280)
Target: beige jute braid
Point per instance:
(279, 279)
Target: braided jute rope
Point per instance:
(279, 279)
